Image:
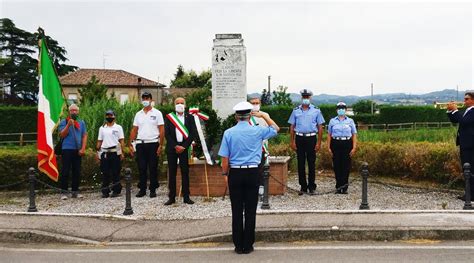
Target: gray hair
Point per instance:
(73, 107)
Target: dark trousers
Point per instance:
(147, 159)
(305, 152)
(341, 161)
(467, 156)
(243, 191)
(110, 167)
(71, 160)
(173, 169)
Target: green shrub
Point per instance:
(403, 114)
(18, 119)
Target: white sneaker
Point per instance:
(63, 197)
(77, 195)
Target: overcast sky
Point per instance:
(334, 48)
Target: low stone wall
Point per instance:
(216, 182)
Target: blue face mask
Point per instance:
(306, 101)
(341, 112)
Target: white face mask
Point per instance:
(146, 103)
(179, 108)
(256, 107)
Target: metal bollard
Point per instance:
(31, 178)
(266, 176)
(364, 172)
(128, 192)
(467, 188)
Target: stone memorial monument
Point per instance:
(229, 72)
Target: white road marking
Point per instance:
(128, 250)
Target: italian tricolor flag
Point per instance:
(50, 105)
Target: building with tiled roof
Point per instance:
(125, 85)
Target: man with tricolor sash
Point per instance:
(180, 131)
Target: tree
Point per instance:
(265, 98)
(190, 79)
(363, 106)
(280, 97)
(20, 69)
(93, 91)
(200, 97)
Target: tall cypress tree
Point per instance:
(19, 72)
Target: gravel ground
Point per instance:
(380, 197)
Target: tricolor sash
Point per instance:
(178, 124)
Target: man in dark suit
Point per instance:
(180, 131)
(465, 135)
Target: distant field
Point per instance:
(421, 135)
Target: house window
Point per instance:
(123, 98)
(72, 97)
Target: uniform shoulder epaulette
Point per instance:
(297, 107)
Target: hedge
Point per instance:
(402, 114)
(438, 162)
(18, 119)
(14, 164)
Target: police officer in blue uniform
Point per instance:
(241, 152)
(306, 123)
(342, 144)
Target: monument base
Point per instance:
(216, 182)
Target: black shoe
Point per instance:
(170, 201)
(105, 195)
(188, 201)
(344, 192)
(247, 250)
(141, 194)
(115, 194)
(238, 250)
(302, 191)
(152, 194)
(311, 192)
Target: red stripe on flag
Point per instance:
(46, 158)
(176, 125)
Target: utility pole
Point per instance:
(457, 93)
(372, 98)
(269, 77)
(103, 60)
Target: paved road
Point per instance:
(422, 251)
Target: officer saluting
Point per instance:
(306, 122)
(241, 151)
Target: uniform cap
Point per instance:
(306, 92)
(110, 112)
(146, 94)
(341, 105)
(243, 107)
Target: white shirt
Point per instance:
(262, 123)
(110, 135)
(179, 135)
(468, 109)
(147, 124)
